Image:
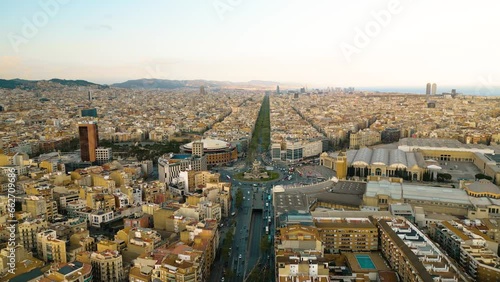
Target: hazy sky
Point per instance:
(318, 43)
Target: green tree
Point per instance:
(265, 245)
(483, 176)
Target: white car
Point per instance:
(239, 256)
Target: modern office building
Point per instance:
(292, 150)
(390, 135)
(434, 89)
(88, 112)
(89, 140)
(428, 89)
(103, 155)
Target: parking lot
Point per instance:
(458, 170)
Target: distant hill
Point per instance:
(146, 84)
(74, 82)
(31, 84)
(17, 83)
(174, 84)
(152, 83)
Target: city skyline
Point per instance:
(380, 44)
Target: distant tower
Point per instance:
(197, 148)
(278, 89)
(434, 89)
(90, 95)
(202, 90)
(428, 89)
(89, 139)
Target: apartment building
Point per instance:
(50, 248)
(347, 234)
(170, 165)
(106, 265)
(412, 255)
(139, 240)
(473, 250)
(299, 254)
(364, 138)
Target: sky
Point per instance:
(372, 43)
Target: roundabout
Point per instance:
(257, 174)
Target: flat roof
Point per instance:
(412, 258)
(439, 143)
(68, 268)
(493, 157)
(483, 187)
(417, 192)
(27, 276)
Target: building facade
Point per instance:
(89, 140)
(170, 165)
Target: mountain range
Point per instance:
(32, 84)
(148, 84)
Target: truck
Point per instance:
(267, 230)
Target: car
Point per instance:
(239, 256)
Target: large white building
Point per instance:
(294, 150)
(170, 165)
(103, 155)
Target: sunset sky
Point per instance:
(318, 43)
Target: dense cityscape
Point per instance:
(249, 141)
(218, 184)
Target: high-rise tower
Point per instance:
(89, 139)
(428, 89)
(434, 89)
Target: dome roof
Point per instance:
(210, 144)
